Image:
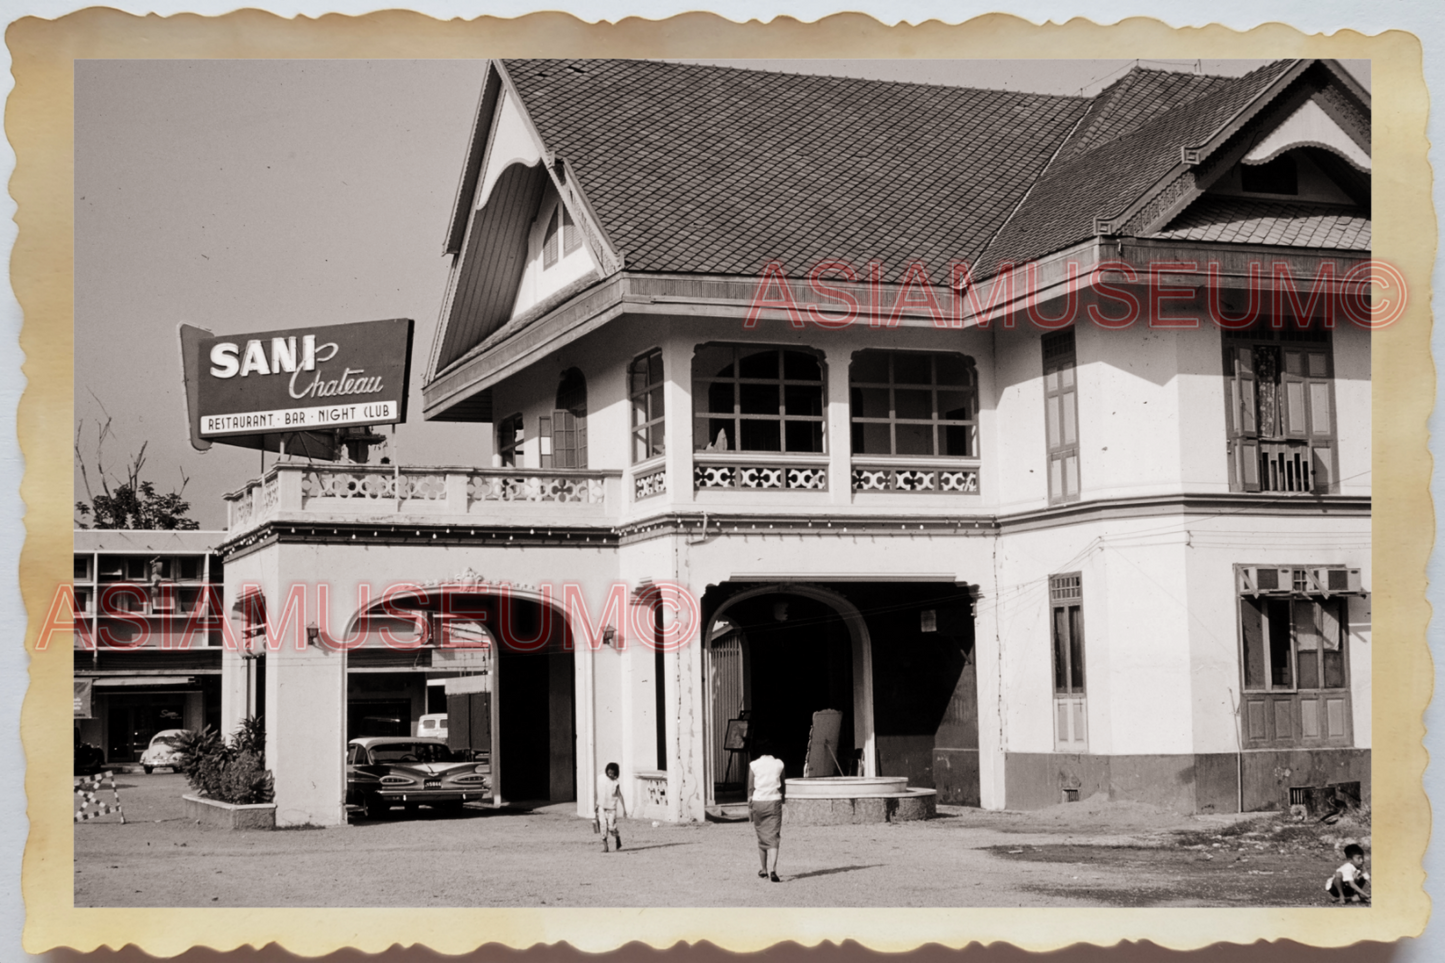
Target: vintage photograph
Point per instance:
(770, 483)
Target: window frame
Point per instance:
(1060, 363)
(1070, 703)
(935, 421)
(1339, 605)
(651, 431)
(1248, 446)
(510, 447)
(701, 396)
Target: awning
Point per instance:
(146, 680)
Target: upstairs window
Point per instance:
(510, 435)
(644, 389)
(757, 399)
(913, 403)
(1280, 413)
(1061, 416)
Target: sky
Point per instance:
(252, 195)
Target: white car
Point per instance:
(161, 752)
(433, 725)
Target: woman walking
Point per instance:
(765, 807)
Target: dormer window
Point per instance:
(562, 237)
(550, 240)
(1279, 176)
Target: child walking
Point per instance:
(1351, 884)
(609, 798)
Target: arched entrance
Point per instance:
(776, 654)
(511, 702)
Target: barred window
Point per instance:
(644, 388)
(913, 403)
(757, 399)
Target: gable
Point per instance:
(498, 259)
(1310, 126)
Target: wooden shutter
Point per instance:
(1242, 422)
(1061, 416)
(550, 241)
(1319, 399)
(564, 439)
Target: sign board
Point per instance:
(822, 757)
(461, 685)
(298, 384)
(83, 689)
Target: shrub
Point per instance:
(231, 772)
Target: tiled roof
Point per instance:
(1137, 97)
(702, 169)
(1105, 178)
(1238, 220)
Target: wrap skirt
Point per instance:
(767, 817)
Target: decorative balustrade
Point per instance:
(920, 478)
(534, 487)
(777, 474)
(296, 490)
(649, 483)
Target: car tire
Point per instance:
(377, 808)
(149, 769)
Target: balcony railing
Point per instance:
(921, 476)
(759, 471)
(299, 491)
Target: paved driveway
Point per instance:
(1118, 855)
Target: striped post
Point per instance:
(88, 788)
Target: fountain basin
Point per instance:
(848, 800)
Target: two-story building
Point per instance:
(1030, 432)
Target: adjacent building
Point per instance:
(1031, 433)
(147, 644)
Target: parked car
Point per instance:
(161, 752)
(88, 759)
(433, 725)
(387, 771)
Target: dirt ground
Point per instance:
(1091, 853)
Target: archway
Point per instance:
(779, 653)
(509, 653)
